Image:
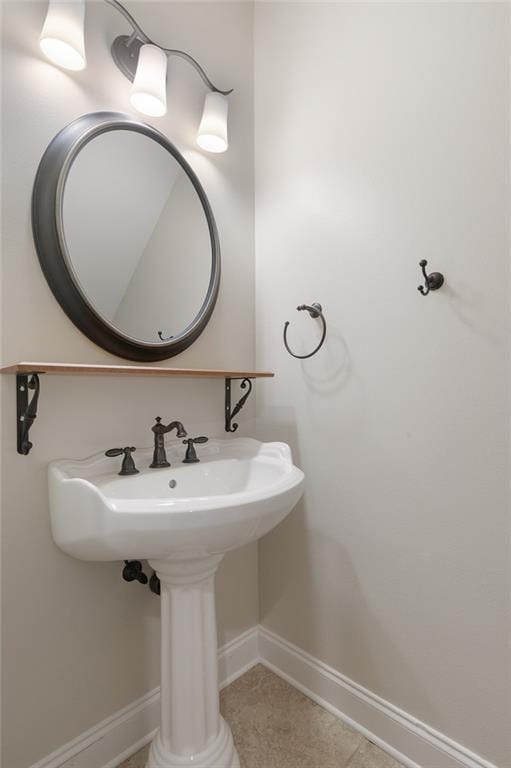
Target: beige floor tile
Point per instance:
(276, 726)
(370, 756)
(138, 760)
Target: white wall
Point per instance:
(382, 139)
(78, 642)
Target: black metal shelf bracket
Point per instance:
(26, 412)
(230, 425)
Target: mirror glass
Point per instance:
(137, 241)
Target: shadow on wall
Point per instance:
(467, 303)
(309, 383)
(278, 422)
(334, 376)
(313, 558)
(327, 371)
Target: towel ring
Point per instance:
(315, 311)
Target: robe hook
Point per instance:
(433, 281)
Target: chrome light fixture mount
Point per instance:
(125, 52)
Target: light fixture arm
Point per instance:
(198, 68)
(131, 21)
(140, 35)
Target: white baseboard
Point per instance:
(238, 656)
(407, 739)
(108, 743)
(403, 736)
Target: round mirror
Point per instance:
(126, 237)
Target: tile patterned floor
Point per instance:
(276, 726)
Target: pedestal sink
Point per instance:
(182, 519)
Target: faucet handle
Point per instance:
(191, 455)
(114, 451)
(132, 570)
(128, 465)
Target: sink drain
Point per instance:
(172, 483)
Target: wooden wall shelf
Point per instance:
(27, 379)
(82, 369)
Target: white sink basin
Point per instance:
(182, 519)
(238, 492)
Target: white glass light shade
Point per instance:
(62, 40)
(212, 134)
(149, 90)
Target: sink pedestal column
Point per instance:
(192, 731)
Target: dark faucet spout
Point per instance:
(159, 429)
(180, 430)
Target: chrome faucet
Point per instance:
(159, 429)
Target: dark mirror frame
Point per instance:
(47, 226)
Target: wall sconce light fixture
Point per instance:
(61, 40)
(140, 59)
